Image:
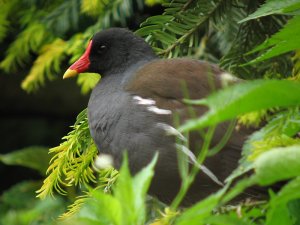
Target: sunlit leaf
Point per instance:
(245, 97)
(277, 165)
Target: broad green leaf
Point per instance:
(124, 193)
(284, 41)
(249, 96)
(277, 164)
(200, 211)
(141, 183)
(278, 212)
(39, 212)
(289, 192)
(132, 191)
(34, 157)
(102, 208)
(279, 216)
(226, 220)
(274, 7)
(294, 210)
(21, 195)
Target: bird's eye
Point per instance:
(102, 48)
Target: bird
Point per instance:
(139, 102)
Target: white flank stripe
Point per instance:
(144, 101)
(159, 111)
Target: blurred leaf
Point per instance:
(242, 98)
(101, 209)
(294, 209)
(41, 212)
(19, 51)
(93, 7)
(280, 215)
(34, 157)
(198, 213)
(126, 205)
(289, 192)
(227, 220)
(133, 192)
(284, 41)
(277, 164)
(87, 81)
(20, 196)
(274, 7)
(47, 64)
(63, 18)
(5, 9)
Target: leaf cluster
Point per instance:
(42, 36)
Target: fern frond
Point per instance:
(93, 7)
(46, 65)
(72, 160)
(107, 177)
(250, 34)
(63, 17)
(261, 146)
(75, 206)
(296, 67)
(286, 40)
(279, 131)
(29, 40)
(87, 81)
(179, 24)
(274, 7)
(253, 119)
(5, 9)
(153, 2)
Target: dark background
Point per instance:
(36, 119)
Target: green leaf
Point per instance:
(274, 7)
(101, 208)
(141, 183)
(200, 211)
(278, 211)
(279, 216)
(34, 157)
(284, 41)
(249, 96)
(289, 192)
(277, 164)
(87, 81)
(226, 220)
(21, 195)
(133, 192)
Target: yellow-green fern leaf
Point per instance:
(29, 40)
(93, 7)
(87, 81)
(73, 160)
(46, 65)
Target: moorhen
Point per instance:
(136, 103)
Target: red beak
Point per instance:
(81, 65)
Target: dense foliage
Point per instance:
(255, 40)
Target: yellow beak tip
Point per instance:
(70, 73)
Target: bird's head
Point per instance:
(111, 50)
